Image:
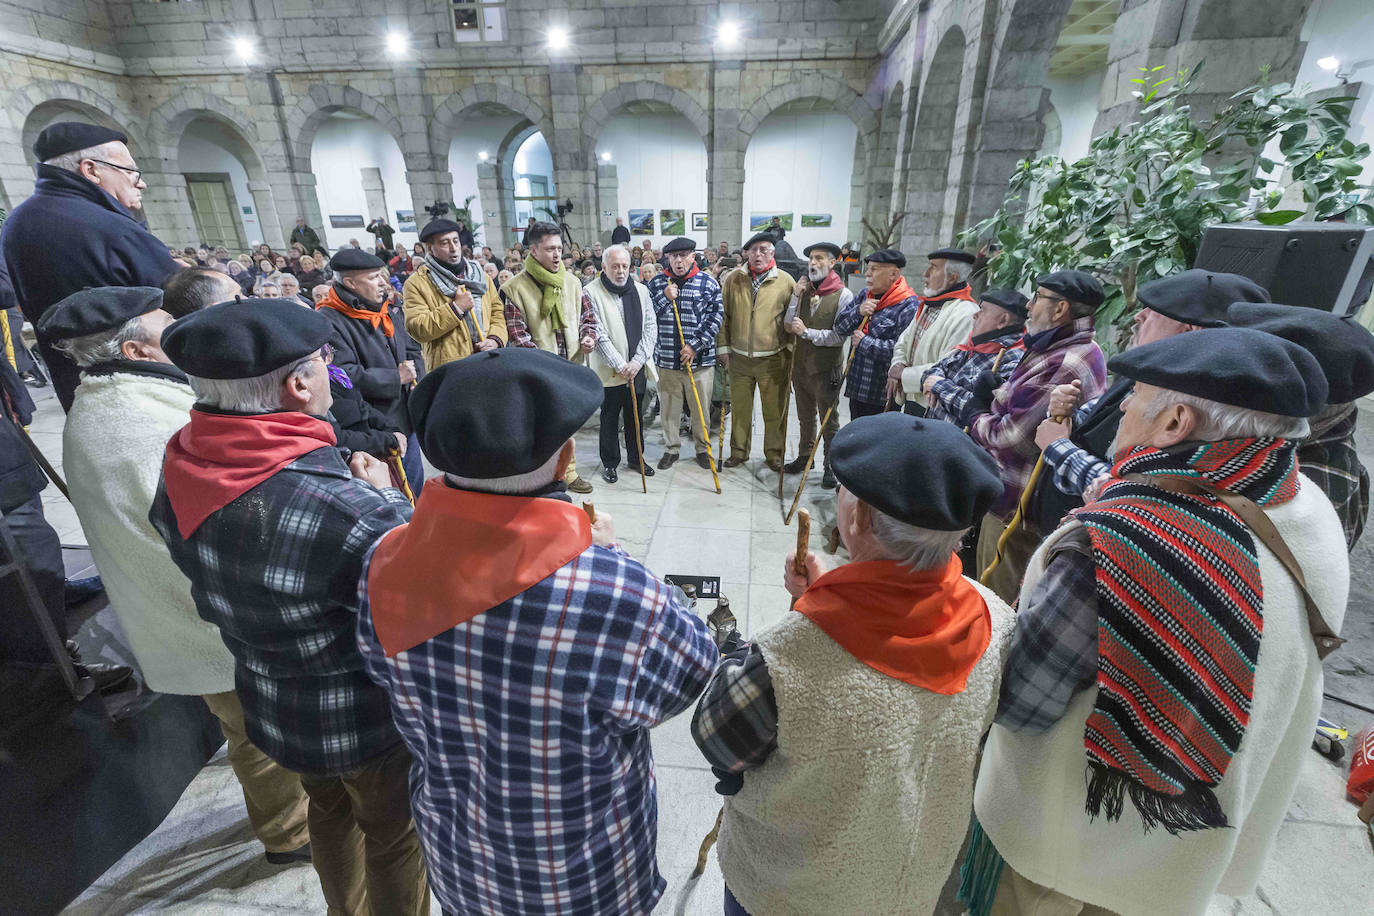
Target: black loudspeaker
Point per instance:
(1324, 266)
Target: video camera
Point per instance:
(564, 208)
(437, 209)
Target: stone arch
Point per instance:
(605, 108)
(813, 85)
(932, 144)
(169, 121)
(448, 115)
(62, 96)
(304, 120)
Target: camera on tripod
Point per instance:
(564, 208)
(437, 209)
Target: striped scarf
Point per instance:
(1179, 623)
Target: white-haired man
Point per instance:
(131, 400)
(845, 737)
(942, 322)
(626, 331)
(1144, 754)
(270, 526)
(80, 228)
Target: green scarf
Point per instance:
(552, 286)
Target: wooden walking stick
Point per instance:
(590, 509)
(393, 458)
(720, 436)
(1019, 517)
(702, 418)
(639, 435)
(786, 405)
(820, 434)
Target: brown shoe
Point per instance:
(734, 461)
(774, 465)
(580, 485)
(667, 461)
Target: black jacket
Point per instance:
(620, 235)
(358, 425)
(70, 235)
(370, 358)
(20, 477)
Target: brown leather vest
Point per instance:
(818, 312)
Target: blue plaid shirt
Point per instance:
(868, 373)
(955, 374)
(533, 784)
(700, 307)
(277, 571)
(1075, 467)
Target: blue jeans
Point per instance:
(732, 907)
(414, 465)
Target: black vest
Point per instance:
(1048, 504)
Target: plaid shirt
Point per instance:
(868, 372)
(277, 571)
(955, 374)
(1054, 652)
(1329, 458)
(1007, 430)
(519, 330)
(736, 722)
(533, 784)
(701, 309)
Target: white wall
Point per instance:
(199, 151)
(1075, 101)
(476, 135)
(1343, 29)
(344, 146)
(802, 163)
(660, 164)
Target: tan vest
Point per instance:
(525, 292)
(609, 313)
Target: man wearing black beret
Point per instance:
(873, 322)
(1204, 492)
(831, 712)
(754, 349)
(526, 654)
(817, 364)
(1078, 452)
(80, 228)
(271, 528)
(1344, 349)
(993, 345)
(1002, 416)
(371, 346)
(941, 323)
(441, 311)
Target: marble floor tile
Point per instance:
(673, 745)
(767, 605)
(700, 551)
(769, 549)
(695, 509)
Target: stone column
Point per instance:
(491, 205)
(167, 206)
(574, 174)
(725, 160)
(266, 205)
(374, 192)
(858, 192)
(607, 200)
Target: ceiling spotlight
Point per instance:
(558, 38)
(482, 154)
(606, 157)
(243, 48)
(1329, 64)
(728, 33)
(396, 43)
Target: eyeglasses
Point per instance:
(1050, 299)
(137, 173)
(326, 354)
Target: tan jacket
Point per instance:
(441, 332)
(752, 326)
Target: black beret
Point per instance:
(438, 227)
(887, 256)
(1078, 285)
(354, 259)
(97, 309)
(1344, 348)
(1199, 297)
(1238, 366)
(1008, 299)
(679, 244)
(832, 249)
(951, 254)
(502, 412)
(244, 338)
(70, 136)
(760, 237)
(926, 473)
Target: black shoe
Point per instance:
(828, 481)
(667, 461)
(609, 475)
(106, 677)
(34, 379)
(290, 857)
(78, 590)
(580, 485)
(796, 465)
(703, 460)
(634, 466)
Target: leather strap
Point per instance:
(1260, 525)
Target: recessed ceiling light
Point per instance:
(728, 33)
(1329, 64)
(396, 43)
(482, 154)
(558, 38)
(606, 157)
(243, 48)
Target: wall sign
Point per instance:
(346, 221)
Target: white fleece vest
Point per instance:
(1031, 788)
(864, 804)
(112, 447)
(609, 312)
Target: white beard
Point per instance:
(929, 291)
(816, 274)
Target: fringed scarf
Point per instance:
(447, 277)
(551, 290)
(1180, 615)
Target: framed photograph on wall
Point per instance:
(698, 222)
(815, 220)
(405, 220)
(672, 222)
(759, 220)
(641, 222)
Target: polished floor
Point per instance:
(203, 858)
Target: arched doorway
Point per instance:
(652, 173)
(474, 167)
(360, 174)
(220, 167)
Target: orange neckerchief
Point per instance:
(897, 292)
(380, 318)
(928, 629)
(463, 553)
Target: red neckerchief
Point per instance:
(463, 553)
(689, 275)
(928, 628)
(897, 292)
(755, 273)
(380, 318)
(991, 344)
(216, 458)
(831, 283)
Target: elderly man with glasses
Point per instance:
(80, 228)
